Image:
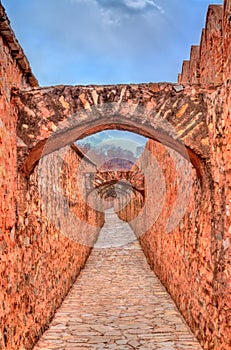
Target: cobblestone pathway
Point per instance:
(118, 303)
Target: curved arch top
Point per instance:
(51, 118)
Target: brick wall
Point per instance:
(192, 260)
(47, 252)
(214, 64)
(219, 116)
(209, 60)
(11, 75)
(50, 253)
(42, 250)
(39, 260)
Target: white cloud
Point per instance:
(118, 13)
(124, 7)
(142, 4)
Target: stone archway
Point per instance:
(51, 118)
(194, 261)
(175, 116)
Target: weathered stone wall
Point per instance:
(14, 72)
(39, 260)
(227, 40)
(193, 261)
(48, 253)
(219, 116)
(12, 75)
(209, 64)
(214, 64)
(45, 221)
(54, 234)
(186, 258)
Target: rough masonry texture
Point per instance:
(38, 264)
(176, 198)
(50, 118)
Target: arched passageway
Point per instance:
(51, 118)
(191, 256)
(141, 203)
(173, 118)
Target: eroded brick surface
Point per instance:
(192, 260)
(209, 63)
(48, 253)
(52, 117)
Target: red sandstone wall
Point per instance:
(11, 75)
(194, 73)
(14, 72)
(227, 40)
(209, 61)
(193, 260)
(215, 70)
(38, 263)
(48, 256)
(219, 116)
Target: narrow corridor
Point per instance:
(117, 302)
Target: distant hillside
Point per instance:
(116, 164)
(113, 149)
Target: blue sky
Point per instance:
(124, 139)
(106, 41)
(79, 42)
